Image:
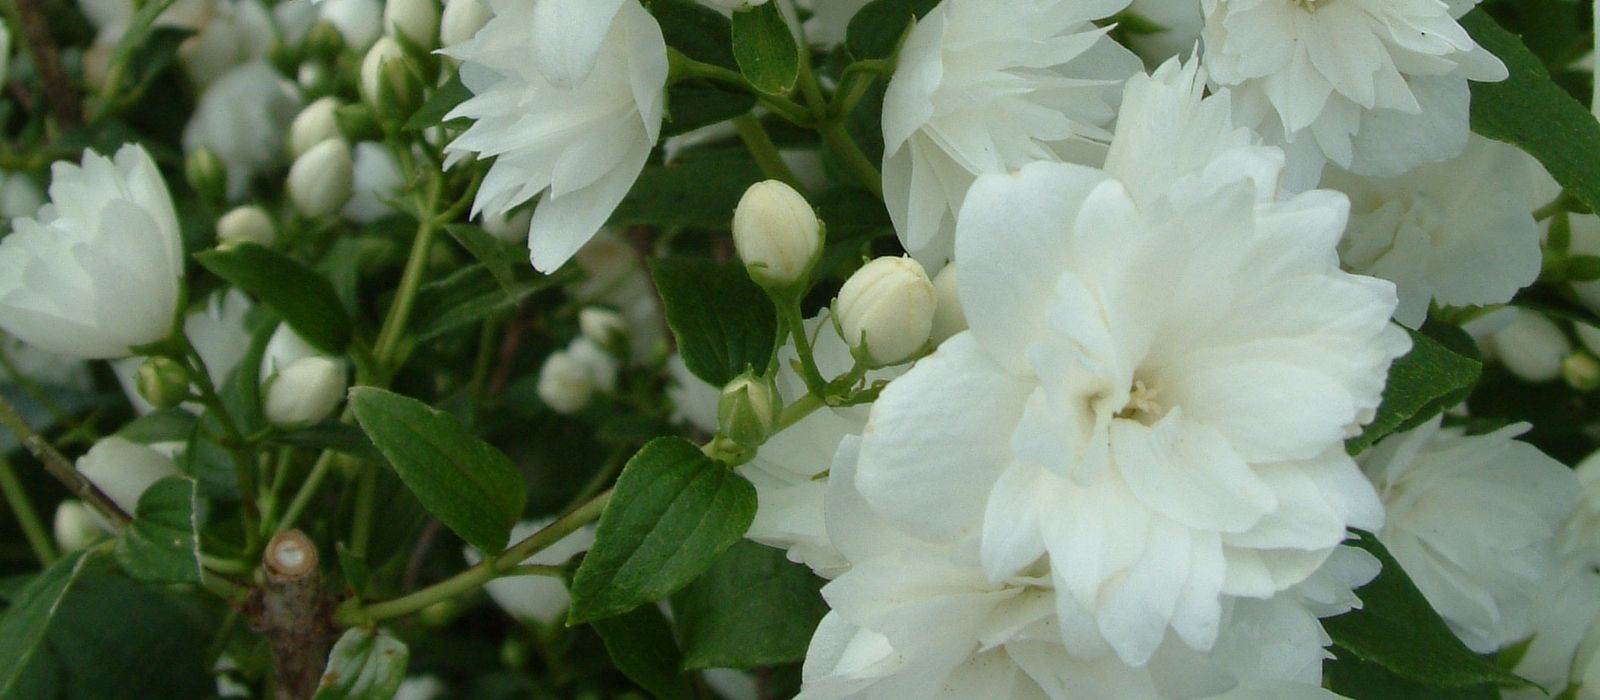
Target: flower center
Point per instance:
(1142, 405)
(1424, 218)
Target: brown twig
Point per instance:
(510, 345)
(295, 615)
(58, 89)
(59, 466)
(419, 556)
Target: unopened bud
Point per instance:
(324, 40)
(565, 383)
(248, 224)
(206, 174)
(461, 20)
(777, 235)
(76, 526)
(357, 123)
(386, 84)
(1532, 347)
(603, 327)
(885, 310)
(948, 317)
(305, 392)
(122, 470)
(316, 123)
(418, 20)
(320, 181)
(163, 382)
(748, 410)
(1581, 371)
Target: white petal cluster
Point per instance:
(1457, 233)
(978, 91)
(568, 98)
(98, 269)
(1153, 396)
(122, 470)
(1472, 519)
(1376, 86)
(243, 119)
(1566, 606)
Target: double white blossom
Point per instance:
(1163, 363)
(1472, 519)
(1459, 233)
(98, 270)
(980, 91)
(568, 97)
(1376, 86)
(1566, 606)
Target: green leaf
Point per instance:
(674, 510)
(303, 298)
(162, 544)
(343, 438)
(641, 645)
(722, 320)
(1422, 384)
(1530, 110)
(28, 618)
(1354, 678)
(697, 31)
(494, 254)
(692, 104)
(165, 425)
(752, 608)
(364, 666)
(697, 190)
(471, 487)
(470, 295)
(876, 29)
(453, 92)
(1397, 629)
(765, 48)
(854, 218)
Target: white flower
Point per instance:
(1460, 233)
(418, 20)
(98, 270)
(47, 368)
(913, 619)
(242, 119)
(1566, 606)
(122, 470)
(614, 276)
(1472, 520)
(1162, 366)
(948, 318)
(830, 19)
(568, 98)
(316, 123)
(420, 688)
(980, 91)
(569, 378)
(540, 599)
(304, 392)
(5, 50)
(75, 526)
(217, 332)
(231, 33)
(376, 182)
(1376, 86)
(461, 19)
(284, 348)
(1179, 23)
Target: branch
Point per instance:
(294, 614)
(58, 90)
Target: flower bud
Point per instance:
(748, 410)
(313, 125)
(206, 174)
(1589, 336)
(461, 20)
(76, 526)
(418, 20)
(565, 383)
(305, 392)
(511, 228)
(320, 181)
(163, 382)
(948, 318)
(386, 84)
(122, 470)
(885, 310)
(603, 326)
(777, 234)
(1532, 347)
(248, 224)
(324, 40)
(1581, 371)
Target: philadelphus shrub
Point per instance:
(821, 349)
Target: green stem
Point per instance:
(366, 495)
(1555, 206)
(244, 462)
(59, 466)
(394, 324)
(308, 488)
(27, 517)
(866, 174)
(352, 613)
(133, 38)
(684, 68)
(816, 385)
(760, 145)
(797, 411)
